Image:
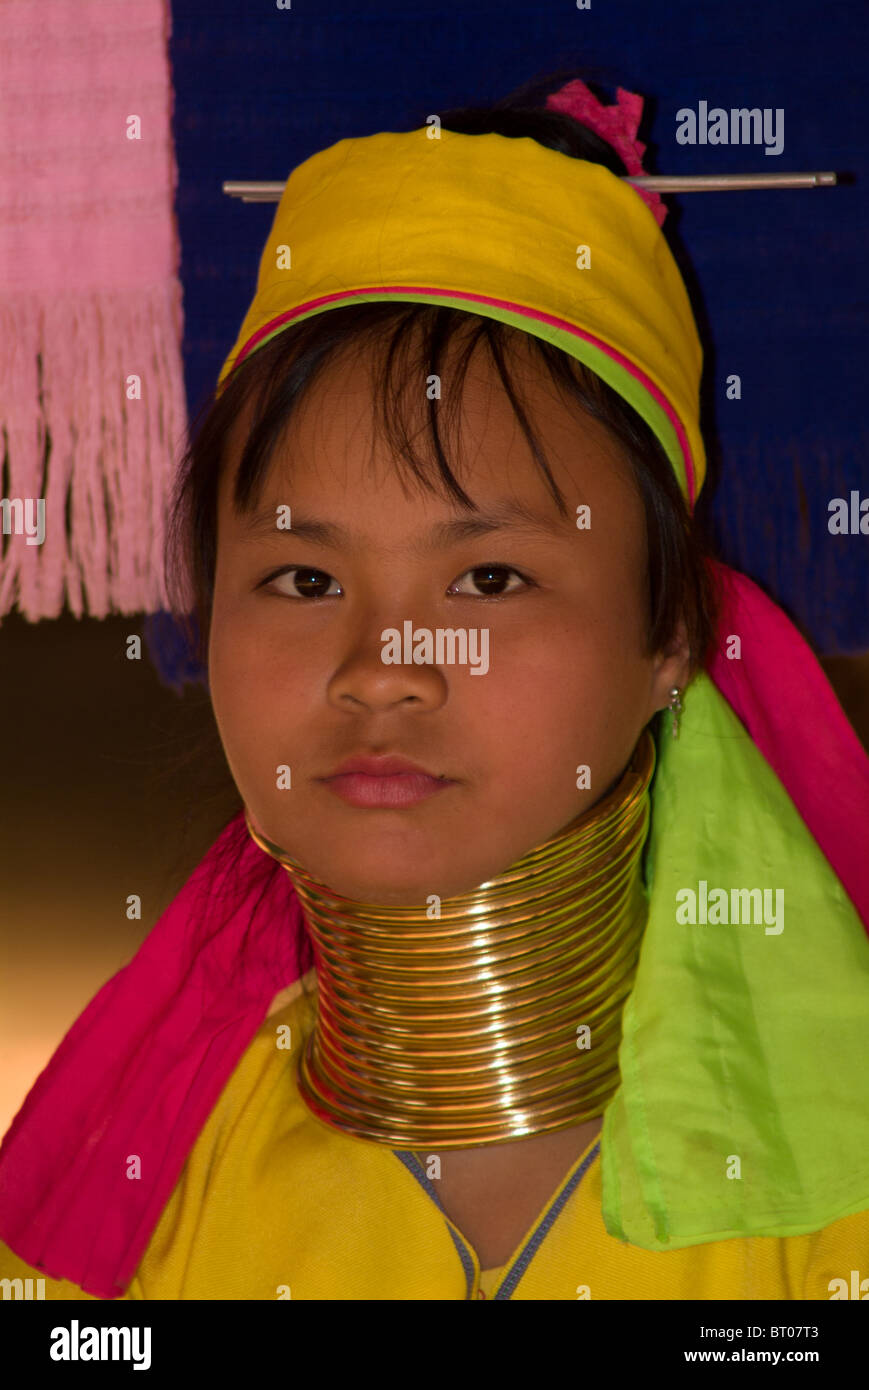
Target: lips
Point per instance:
(381, 767)
(384, 783)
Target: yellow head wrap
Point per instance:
(506, 228)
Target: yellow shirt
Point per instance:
(274, 1204)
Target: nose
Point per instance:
(364, 681)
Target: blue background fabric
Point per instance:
(778, 278)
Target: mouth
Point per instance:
(390, 783)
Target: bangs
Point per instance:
(404, 344)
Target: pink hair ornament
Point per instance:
(617, 124)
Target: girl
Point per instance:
(533, 967)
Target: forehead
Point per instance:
(334, 443)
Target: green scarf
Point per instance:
(744, 1106)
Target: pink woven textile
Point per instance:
(88, 283)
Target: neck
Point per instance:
(496, 1016)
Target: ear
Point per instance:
(671, 667)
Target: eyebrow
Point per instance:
(507, 515)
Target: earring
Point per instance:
(675, 708)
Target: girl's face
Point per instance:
(298, 681)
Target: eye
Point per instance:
(309, 583)
(491, 580)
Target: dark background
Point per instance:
(113, 785)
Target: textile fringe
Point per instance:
(104, 471)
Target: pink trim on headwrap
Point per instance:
(645, 381)
(618, 125)
(780, 693)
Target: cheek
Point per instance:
(573, 693)
(256, 686)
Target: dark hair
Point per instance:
(276, 376)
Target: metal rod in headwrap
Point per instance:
(263, 191)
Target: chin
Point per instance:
(388, 888)
(391, 884)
